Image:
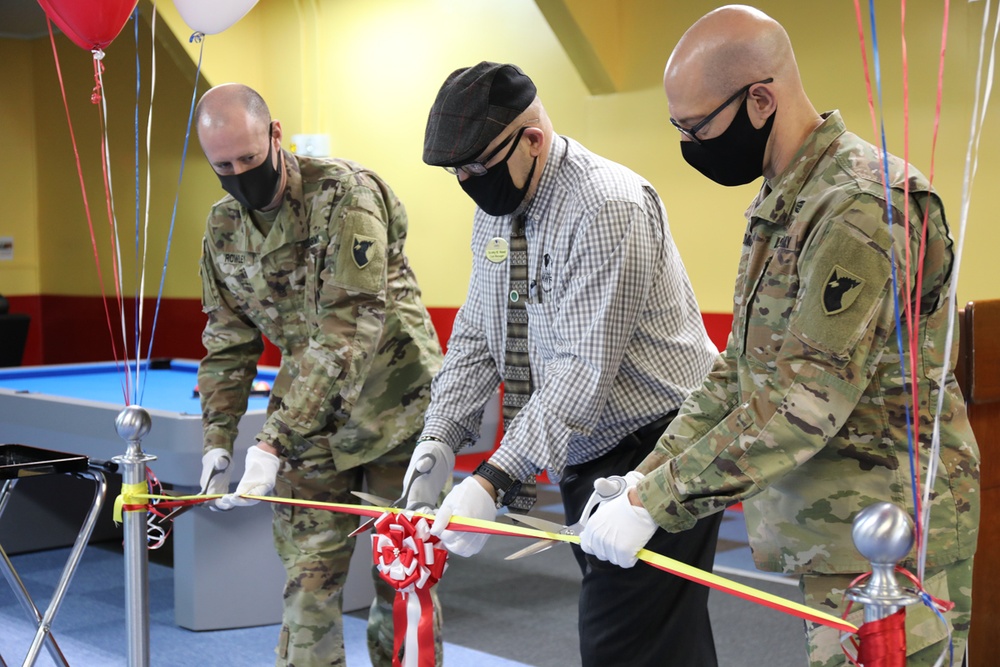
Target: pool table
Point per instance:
(226, 572)
(75, 405)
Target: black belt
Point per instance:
(659, 426)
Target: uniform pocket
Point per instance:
(725, 440)
(923, 627)
(283, 512)
(210, 298)
(769, 307)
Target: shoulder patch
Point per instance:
(840, 290)
(360, 250)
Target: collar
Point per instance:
(776, 199)
(547, 183)
(289, 217)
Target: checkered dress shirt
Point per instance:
(616, 339)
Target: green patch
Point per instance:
(361, 261)
(836, 306)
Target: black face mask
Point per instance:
(254, 188)
(736, 156)
(495, 192)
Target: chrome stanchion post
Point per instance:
(132, 424)
(883, 534)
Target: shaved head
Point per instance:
(228, 103)
(736, 48)
(732, 46)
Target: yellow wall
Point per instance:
(17, 171)
(66, 256)
(366, 72)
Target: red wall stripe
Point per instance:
(73, 329)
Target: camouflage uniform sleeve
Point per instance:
(703, 409)
(803, 396)
(233, 345)
(351, 307)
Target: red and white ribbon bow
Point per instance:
(408, 559)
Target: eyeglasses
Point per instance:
(692, 132)
(479, 168)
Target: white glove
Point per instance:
(618, 529)
(468, 499)
(215, 471)
(430, 466)
(258, 479)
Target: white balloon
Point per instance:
(212, 16)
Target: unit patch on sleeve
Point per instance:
(361, 249)
(841, 289)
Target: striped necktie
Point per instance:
(517, 373)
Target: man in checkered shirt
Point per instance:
(615, 342)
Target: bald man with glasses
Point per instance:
(804, 417)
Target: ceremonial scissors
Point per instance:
(423, 466)
(605, 488)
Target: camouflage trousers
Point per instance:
(315, 549)
(926, 636)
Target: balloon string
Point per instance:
(86, 202)
(971, 166)
(912, 321)
(177, 193)
(137, 317)
(884, 167)
(145, 248)
(915, 334)
(101, 100)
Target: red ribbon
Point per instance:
(883, 642)
(407, 559)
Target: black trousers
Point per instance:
(641, 616)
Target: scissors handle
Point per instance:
(605, 488)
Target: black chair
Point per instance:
(13, 336)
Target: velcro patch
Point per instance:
(841, 289)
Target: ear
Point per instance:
(276, 130)
(761, 104)
(536, 140)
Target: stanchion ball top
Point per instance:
(133, 423)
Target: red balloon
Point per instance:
(91, 24)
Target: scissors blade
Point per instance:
(539, 524)
(533, 548)
(363, 527)
(171, 515)
(378, 501)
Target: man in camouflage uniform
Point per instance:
(803, 417)
(309, 253)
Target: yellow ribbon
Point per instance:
(132, 494)
(656, 560)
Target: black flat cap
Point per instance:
(473, 106)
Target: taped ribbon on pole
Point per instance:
(408, 559)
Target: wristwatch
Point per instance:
(506, 487)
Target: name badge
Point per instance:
(496, 250)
